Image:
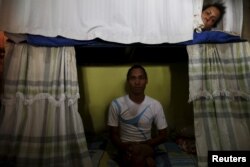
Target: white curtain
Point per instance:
(39, 120)
(124, 21)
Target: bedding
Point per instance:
(169, 154)
(213, 37)
(198, 38)
(39, 40)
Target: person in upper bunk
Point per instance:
(130, 121)
(212, 14)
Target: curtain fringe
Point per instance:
(233, 95)
(42, 96)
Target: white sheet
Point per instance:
(124, 21)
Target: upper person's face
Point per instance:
(137, 81)
(209, 16)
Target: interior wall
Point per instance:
(100, 84)
(2, 52)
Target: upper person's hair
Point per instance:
(220, 6)
(134, 67)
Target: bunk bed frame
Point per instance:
(127, 54)
(95, 52)
(107, 54)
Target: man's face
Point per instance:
(137, 81)
(209, 16)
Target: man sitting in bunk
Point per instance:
(130, 121)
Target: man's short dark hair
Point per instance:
(134, 67)
(220, 6)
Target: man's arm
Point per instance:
(116, 140)
(161, 137)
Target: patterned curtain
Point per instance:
(39, 120)
(219, 86)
